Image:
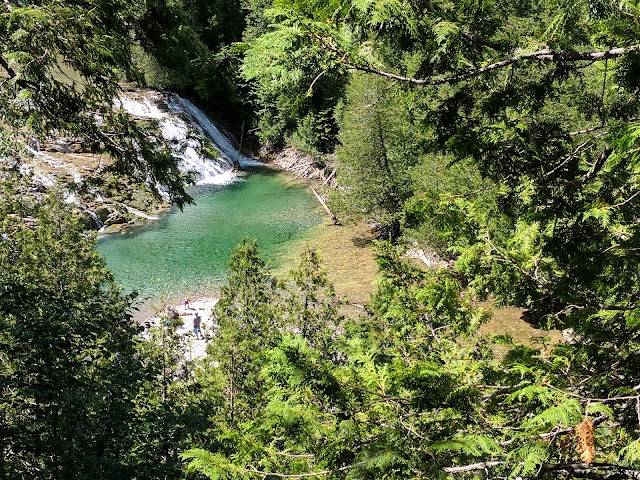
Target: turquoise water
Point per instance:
(187, 253)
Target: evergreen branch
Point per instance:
(381, 96)
(555, 432)
(597, 166)
(384, 398)
(601, 306)
(593, 400)
(12, 74)
(4, 64)
(474, 37)
(586, 130)
(626, 201)
(564, 430)
(576, 151)
(540, 281)
(294, 455)
(596, 471)
(448, 196)
(544, 55)
(365, 406)
(499, 390)
(411, 430)
(618, 308)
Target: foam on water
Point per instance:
(140, 108)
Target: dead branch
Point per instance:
(586, 130)
(302, 172)
(472, 467)
(294, 455)
(626, 201)
(544, 55)
(329, 177)
(310, 89)
(597, 166)
(326, 208)
(576, 151)
(252, 469)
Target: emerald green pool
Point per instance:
(187, 252)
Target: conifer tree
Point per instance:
(374, 158)
(248, 323)
(70, 368)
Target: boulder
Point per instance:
(116, 218)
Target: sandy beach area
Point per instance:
(195, 348)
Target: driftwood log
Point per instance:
(326, 208)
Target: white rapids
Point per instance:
(186, 127)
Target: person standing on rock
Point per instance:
(187, 303)
(197, 321)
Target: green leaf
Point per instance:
(474, 445)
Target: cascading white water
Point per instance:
(140, 108)
(178, 127)
(99, 224)
(189, 150)
(220, 140)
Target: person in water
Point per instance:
(197, 321)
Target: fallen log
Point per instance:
(324, 205)
(329, 177)
(303, 171)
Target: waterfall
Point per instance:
(99, 224)
(178, 125)
(222, 143)
(144, 107)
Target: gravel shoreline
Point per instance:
(194, 348)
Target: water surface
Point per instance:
(187, 253)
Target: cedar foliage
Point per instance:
(519, 132)
(505, 133)
(61, 64)
(70, 367)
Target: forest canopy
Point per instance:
(503, 135)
